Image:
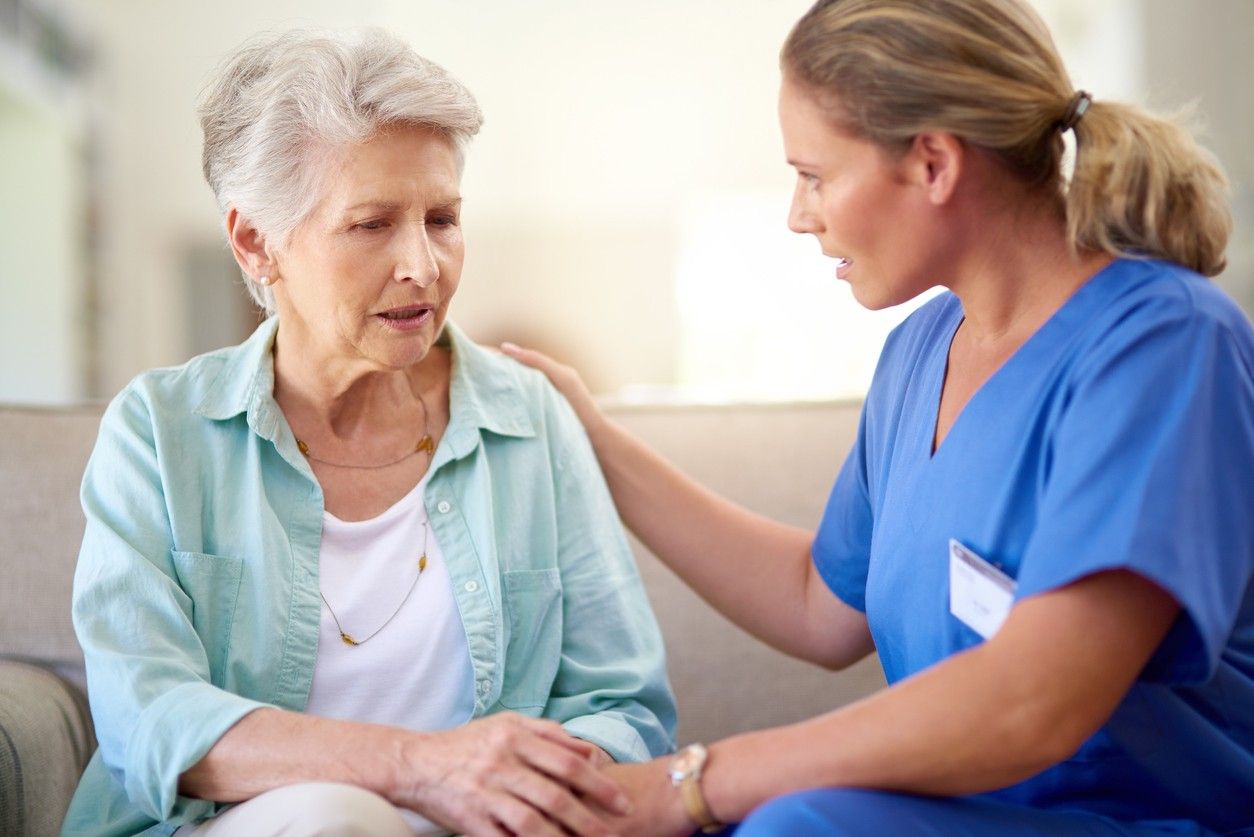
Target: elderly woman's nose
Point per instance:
(416, 258)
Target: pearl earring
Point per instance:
(263, 280)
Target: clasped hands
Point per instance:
(510, 774)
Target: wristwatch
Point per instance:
(685, 770)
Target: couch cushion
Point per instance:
(45, 741)
(42, 458)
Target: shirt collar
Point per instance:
(245, 377)
(485, 391)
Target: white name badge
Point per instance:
(980, 595)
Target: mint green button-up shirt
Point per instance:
(196, 597)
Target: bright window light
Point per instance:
(762, 315)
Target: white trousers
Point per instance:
(313, 809)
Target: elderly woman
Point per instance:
(320, 566)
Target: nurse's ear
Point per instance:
(935, 162)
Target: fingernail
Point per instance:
(623, 804)
(510, 347)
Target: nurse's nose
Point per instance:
(801, 216)
(417, 261)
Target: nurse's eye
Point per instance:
(810, 180)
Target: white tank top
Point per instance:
(416, 672)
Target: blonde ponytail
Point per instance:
(1142, 186)
(988, 72)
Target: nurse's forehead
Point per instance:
(802, 164)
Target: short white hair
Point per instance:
(282, 100)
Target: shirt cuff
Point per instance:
(612, 734)
(174, 733)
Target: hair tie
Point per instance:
(1076, 108)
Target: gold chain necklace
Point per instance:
(424, 445)
(347, 638)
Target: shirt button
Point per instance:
(484, 686)
(444, 507)
(472, 586)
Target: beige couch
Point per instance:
(779, 460)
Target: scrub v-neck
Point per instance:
(1038, 345)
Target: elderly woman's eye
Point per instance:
(371, 225)
(444, 221)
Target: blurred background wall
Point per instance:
(625, 202)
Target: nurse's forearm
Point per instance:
(755, 571)
(980, 720)
(934, 735)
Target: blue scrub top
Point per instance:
(1120, 435)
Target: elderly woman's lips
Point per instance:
(406, 318)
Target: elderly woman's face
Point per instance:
(369, 274)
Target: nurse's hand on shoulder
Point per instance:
(506, 774)
(567, 381)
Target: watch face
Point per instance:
(687, 761)
(684, 762)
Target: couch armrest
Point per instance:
(46, 738)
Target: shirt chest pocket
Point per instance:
(533, 619)
(212, 583)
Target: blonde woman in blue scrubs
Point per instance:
(1046, 525)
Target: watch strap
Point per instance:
(695, 805)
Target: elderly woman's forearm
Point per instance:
(270, 748)
(459, 777)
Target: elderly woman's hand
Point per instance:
(508, 774)
(568, 383)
